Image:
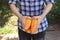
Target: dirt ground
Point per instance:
(53, 32)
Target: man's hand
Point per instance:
(40, 18)
(23, 19)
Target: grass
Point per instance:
(10, 26)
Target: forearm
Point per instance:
(15, 11)
(47, 9)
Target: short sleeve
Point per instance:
(12, 1)
(51, 1)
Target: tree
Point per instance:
(4, 11)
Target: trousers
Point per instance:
(27, 36)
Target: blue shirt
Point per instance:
(32, 8)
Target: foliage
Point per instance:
(54, 15)
(56, 10)
(10, 26)
(4, 9)
(4, 12)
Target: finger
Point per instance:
(29, 17)
(33, 17)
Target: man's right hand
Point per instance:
(23, 19)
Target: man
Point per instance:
(31, 8)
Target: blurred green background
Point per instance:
(8, 21)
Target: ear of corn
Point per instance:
(27, 23)
(31, 25)
(34, 25)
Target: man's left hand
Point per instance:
(40, 18)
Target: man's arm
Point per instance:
(45, 12)
(47, 9)
(15, 11)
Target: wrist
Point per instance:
(41, 16)
(20, 18)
